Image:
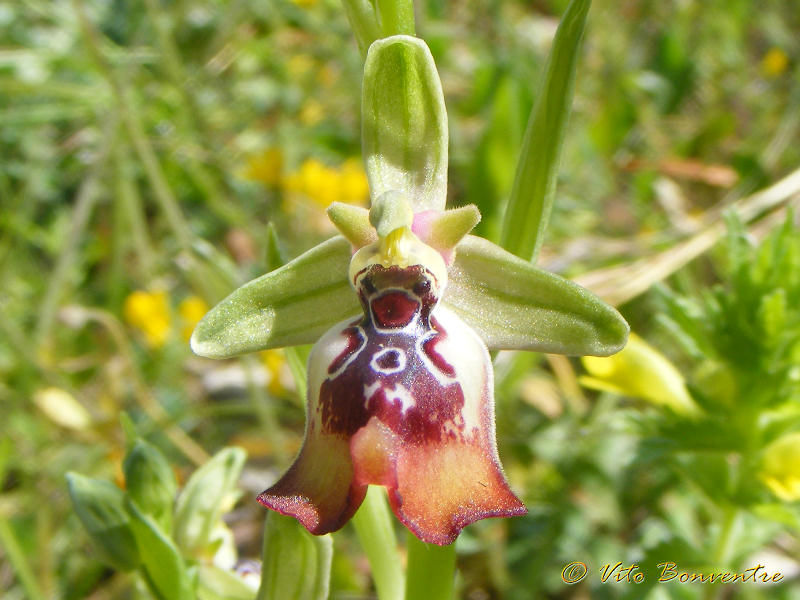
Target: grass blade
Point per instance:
(531, 200)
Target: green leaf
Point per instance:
(150, 482)
(203, 499)
(531, 200)
(296, 564)
(273, 257)
(162, 564)
(217, 584)
(101, 508)
(292, 305)
(404, 123)
(514, 305)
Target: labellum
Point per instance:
(400, 397)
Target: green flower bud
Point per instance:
(210, 491)
(101, 508)
(151, 482)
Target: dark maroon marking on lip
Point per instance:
(355, 340)
(394, 309)
(429, 348)
(359, 391)
(389, 360)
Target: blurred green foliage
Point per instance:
(147, 145)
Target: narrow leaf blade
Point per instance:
(162, 563)
(292, 305)
(404, 123)
(514, 305)
(531, 201)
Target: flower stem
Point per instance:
(373, 523)
(724, 546)
(431, 570)
(396, 17)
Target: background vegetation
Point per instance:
(155, 155)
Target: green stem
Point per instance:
(431, 570)
(724, 546)
(16, 556)
(364, 23)
(373, 523)
(68, 255)
(298, 368)
(396, 17)
(263, 407)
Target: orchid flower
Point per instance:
(403, 307)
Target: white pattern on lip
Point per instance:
(400, 361)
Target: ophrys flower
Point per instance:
(400, 380)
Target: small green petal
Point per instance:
(451, 226)
(514, 305)
(404, 123)
(353, 223)
(292, 305)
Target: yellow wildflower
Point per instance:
(780, 467)
(327, 75)
(191, 310)
(299, 64)
(149, 313)
(774, 62)
(323, 184)
(354, 185)
(266, 167)
(62, 408)
(311, 112)
(640, 371)
(276, 365)
(316, 181)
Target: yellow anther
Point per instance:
(394, 247)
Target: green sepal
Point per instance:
(292, 305)
(296, 565)
(162, 564)
(100, 506)
(514, 305)
(404, 123)
(150, 482)
(206, 495)
(353, 223)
